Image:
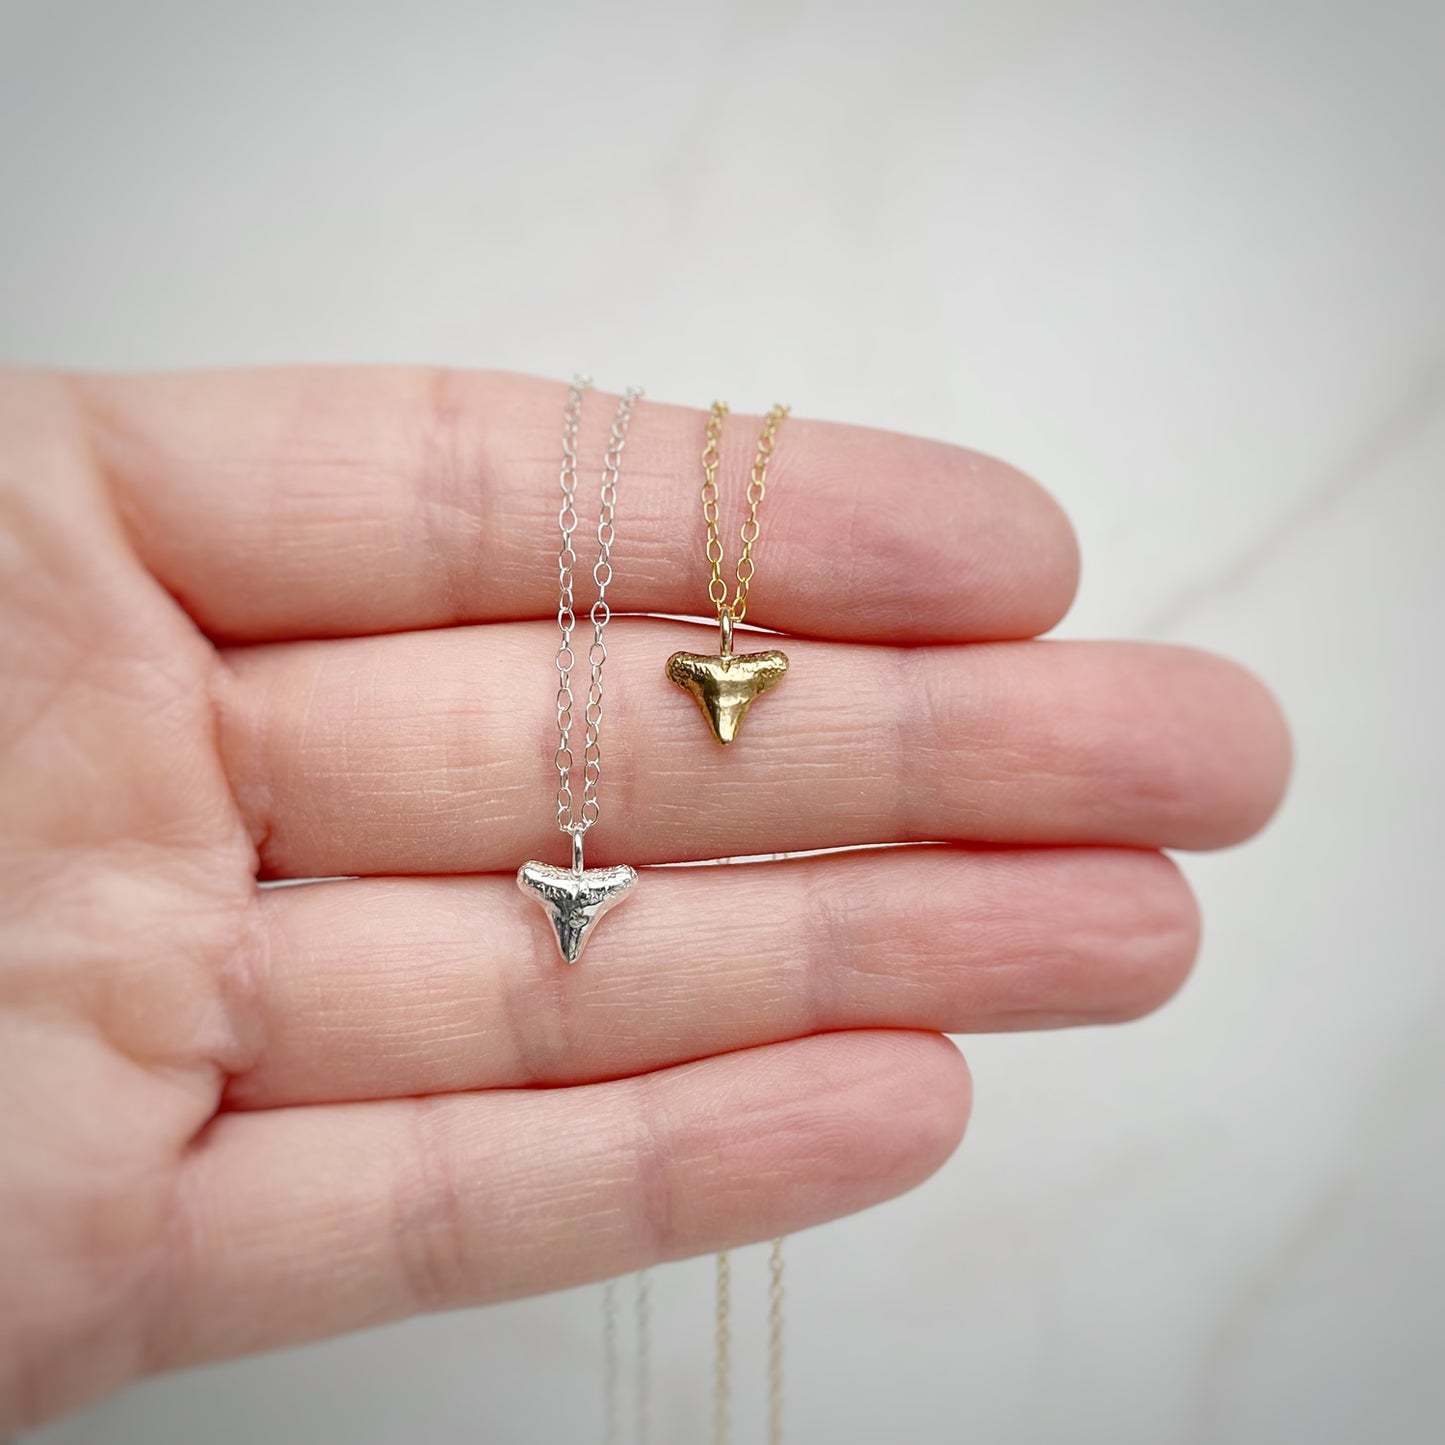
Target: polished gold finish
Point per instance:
(724, 685)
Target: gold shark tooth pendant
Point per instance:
(725, 685)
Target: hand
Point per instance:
(299, 624)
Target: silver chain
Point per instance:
(643, 1376)
(612, 1361)
(611, 1367)
(571, 819)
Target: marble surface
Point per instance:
(1183, 262)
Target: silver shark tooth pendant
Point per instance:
(574, 899)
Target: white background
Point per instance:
(1181, 261)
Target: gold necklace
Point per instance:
(722, 1428)
(725, 684)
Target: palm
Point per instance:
(132, 879)
(294, 626)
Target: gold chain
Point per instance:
(775, 1344)
(717, 589)
(723, 1358)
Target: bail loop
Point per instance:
(725, 627)
(576, 850)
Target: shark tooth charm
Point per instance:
(575, 898)
(724, 686)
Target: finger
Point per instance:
(381, 988)
(432, 752)
(302, 1223)
(303, 503)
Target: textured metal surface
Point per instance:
(724, 686)
(574, 901)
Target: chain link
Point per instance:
(643, 1376)
(775, 1344)
(612, 1360)
(723, 1360)
(611, 1368)
(571, 819)
(717, 588)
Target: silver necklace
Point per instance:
(574, 899)
(641, 1364)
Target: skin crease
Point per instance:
(246, 617)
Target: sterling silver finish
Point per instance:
(574, 899)
(612, 1382)
(569, 819)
